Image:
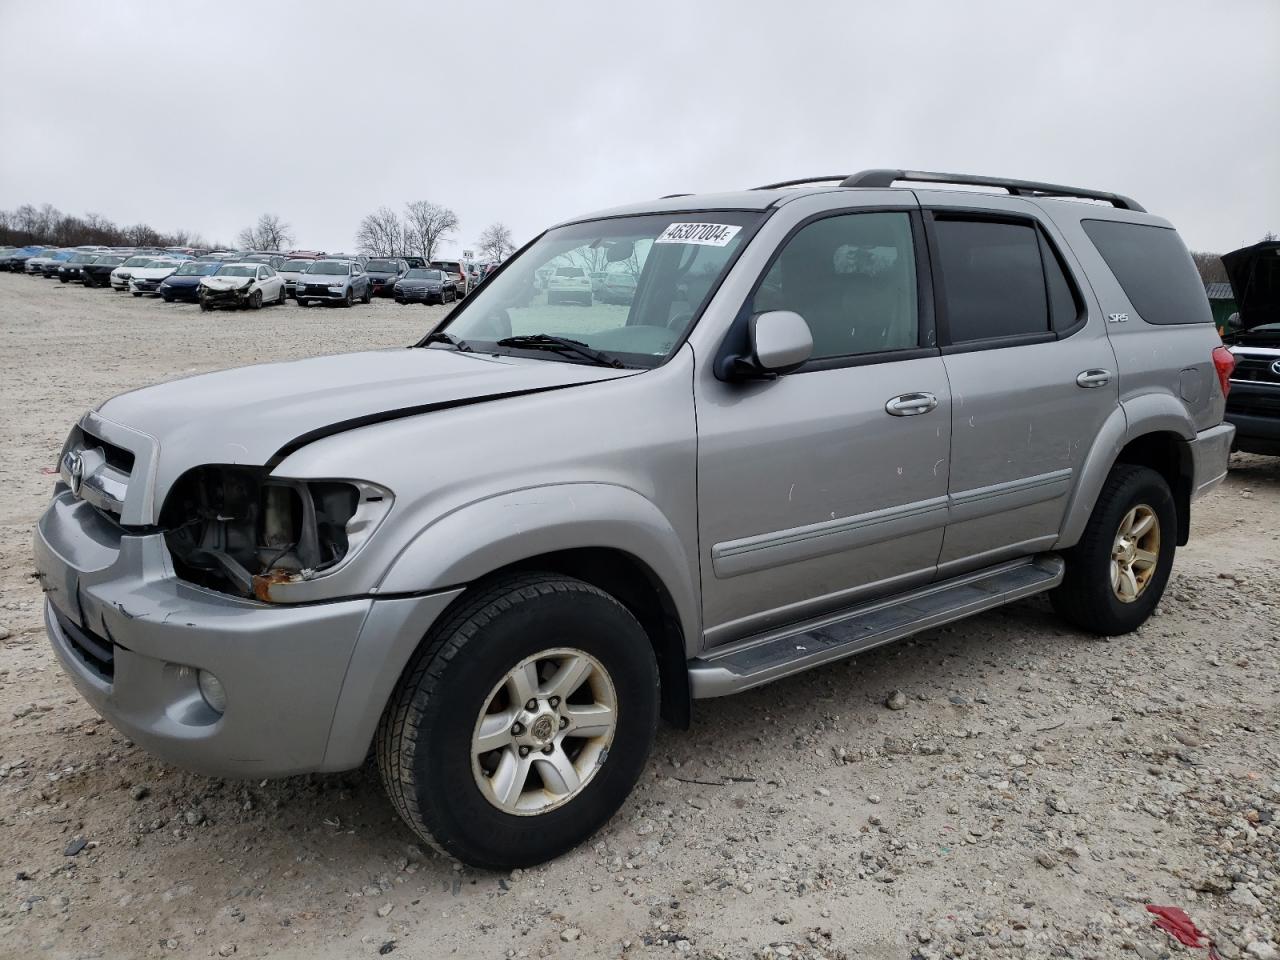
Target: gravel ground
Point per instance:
(1004, 787)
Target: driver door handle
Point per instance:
(911, 404)
(1094, 378)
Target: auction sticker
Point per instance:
(703, 234)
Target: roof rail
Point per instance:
(802, 181)
(1017, 188)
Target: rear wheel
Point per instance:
(1117, 573)
(493, 747)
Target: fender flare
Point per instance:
(1133, 418)
(486, 535)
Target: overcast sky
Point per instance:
(201, 115)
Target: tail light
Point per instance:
(1224, 361)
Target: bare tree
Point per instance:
(1210, 267)
(426, 225)
(270, 233)
(495, 242)
(382, 234)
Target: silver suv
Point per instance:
(834, 413)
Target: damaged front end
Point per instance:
(238, 530)
(234, 297)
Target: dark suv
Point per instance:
(1253, 335)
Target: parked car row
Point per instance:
(224, 278)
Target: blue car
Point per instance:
(16, 260)
(184, 283)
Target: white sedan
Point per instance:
(241, 286)
(147, 279)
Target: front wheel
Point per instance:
(283, 298)
(350, 298)
(522, 723)
(1117, 573)
(205, 306)
(368, 294)
(255, 300)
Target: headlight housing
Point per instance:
(239, 530)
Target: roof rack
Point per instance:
(1017, 188)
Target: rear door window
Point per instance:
(993, 283)
(1154, 269)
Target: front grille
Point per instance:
(1255, 369)
(117, 457)
(95, 652)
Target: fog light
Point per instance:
(211, 690)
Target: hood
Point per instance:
(1254, 273)
(186, 280)
(250, 414)
(151, 273)
(226, 283)
(380, 274)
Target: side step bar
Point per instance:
(770, 656)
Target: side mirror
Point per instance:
(779, 342)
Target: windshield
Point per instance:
(238, 270)
(424, 275)
(382, 266)
(84, 258)
(137, 261)
(672, 264)
(111, 260)
(194, 269)
(295, 266)
(330, 267)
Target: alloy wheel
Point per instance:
(1135, 553)
(544, 731)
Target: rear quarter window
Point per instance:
(1154, 268)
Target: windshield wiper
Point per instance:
(441, 337)
(547, 341)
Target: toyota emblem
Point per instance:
(1275, 368)
(75, 472)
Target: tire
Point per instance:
(255, 300)
(424, 740)
(284, 296)
(166, 298)
(401, 301)
(1087, 597)
(350, 298)
(367, 296)
(63, 280)
(304, 303)
(205, 306)
(135, 293)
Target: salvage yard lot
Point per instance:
(1038, 788)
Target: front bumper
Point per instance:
(305, 685)
(419, 295)
(1210, 451)
(239, 297)
(312, 292)
(1254, 410)
(144, 286)
(382, 288)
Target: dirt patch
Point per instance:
(1025, 795)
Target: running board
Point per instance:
(770, 656)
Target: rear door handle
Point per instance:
(1094, 378)
(911, 404)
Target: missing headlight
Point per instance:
(238, 530)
